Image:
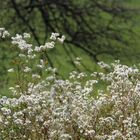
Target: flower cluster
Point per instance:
(3, 33)
(31, 63)
(71, 109)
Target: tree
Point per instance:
(97, 27)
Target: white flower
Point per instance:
(37, 49)
(103, 65)
(77, 62)
(11, 70)
(18, 121)
(50, 45)
(90, 132)
(1, 120)
(5, 111)
(54, 36)
(22, 55)
(2, 29)
(27, 69)
(4, 33)
(65, 137)
(61, 39)
(36, 76)
(31, 56)
(22, 44)
(11, 88)
(26, 35)
(30, 51)
(40, 66)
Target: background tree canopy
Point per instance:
(95, 30)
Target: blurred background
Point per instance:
(95, 30)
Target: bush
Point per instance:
(51, 109)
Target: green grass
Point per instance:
(61, 55)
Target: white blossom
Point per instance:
(61, 39)
(11, 70)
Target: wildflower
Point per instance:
(49, 45)
(11, 70)
(1, 120)
(77, 62)
(26, 35)
(65, 137)
(54, 36)
(2, 29)
(22, 55)
(66, 109)
(37, 49)
(27, 69)
(4, 33)
(36, 76)
(61, 39)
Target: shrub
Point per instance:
(52, 109)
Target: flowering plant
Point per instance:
(56, 109)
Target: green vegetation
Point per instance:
(63, 57)
(44, 106)
(70, 70)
